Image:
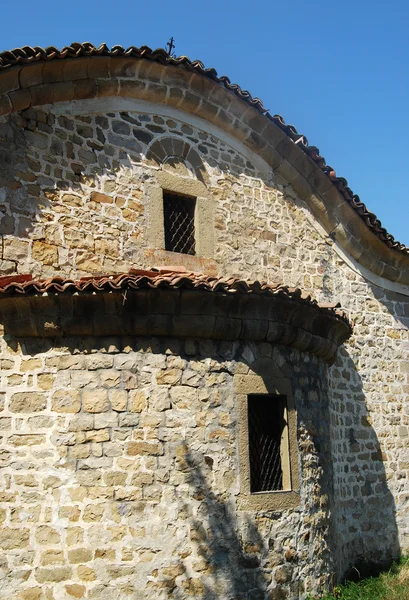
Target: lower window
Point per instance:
(268, 449)
(268, 441)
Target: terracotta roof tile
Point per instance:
(136, 279)
(28, 54)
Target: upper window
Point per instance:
(179, 223)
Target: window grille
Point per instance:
(179, 221)
(266, 424)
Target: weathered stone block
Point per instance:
(47, 535)
(26, 402)
(33, 593)
(118, 400)
(52, 574)
(11, 539)
(26, 440)
(75, 590)
(149, 448)
(95, 401)
(170, 377)
(80, 555)
(137, 401)
(66, 401)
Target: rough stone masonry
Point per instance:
(122, 449)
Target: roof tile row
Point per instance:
(168, 278)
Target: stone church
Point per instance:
(204, 351)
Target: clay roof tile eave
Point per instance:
(136, 279)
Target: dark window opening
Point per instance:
(266, 424)
(179, 221)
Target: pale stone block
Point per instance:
(183, 396)
(45, 380)
(75, 590)
(52, 574)
(15, 249)
(93, 512)
(80, 451)
(11, 539)
(86, 573)
(115, 478)
(107, 419)
(66, 401)
(169, 377)
(27, 402)
(33, 593)
(52, 557)
(79, 555)
(98, 435)
(110, 378)
(47, 535)
(30, 364)
(159, 399)
(137, 401)
(95, 400)
(81, 422)
(5, 423)
(40, 422)
(99, 361)
(118, 400)
(26, 440)
(45, 253)
(74, 536)
(150, 448)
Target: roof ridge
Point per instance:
(29, 54)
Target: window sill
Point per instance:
(279, 500)
(157, 257)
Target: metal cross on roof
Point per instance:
(170, 46)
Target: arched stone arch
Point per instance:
(175, 151)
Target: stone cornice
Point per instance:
(49, 81)
(176, 312)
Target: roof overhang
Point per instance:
(172, 304)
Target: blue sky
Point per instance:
(337, 71)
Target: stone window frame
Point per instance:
(272, 384)
(204, 213)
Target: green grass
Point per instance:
(392, 585)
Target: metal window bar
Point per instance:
(179, 221)
(266, 425)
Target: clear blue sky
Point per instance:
(337, 71)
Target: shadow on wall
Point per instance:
(364, 513)
(19, 210)
(231, 567)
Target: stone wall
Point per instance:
(120, 475)
(75, 201)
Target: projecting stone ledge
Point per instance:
(171, 303)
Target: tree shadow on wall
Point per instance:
(366, 533)
(20, 205)
(231, 566)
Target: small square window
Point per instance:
(179, 223)
(268, 442)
